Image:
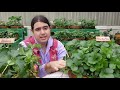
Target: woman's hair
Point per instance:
(39, 18)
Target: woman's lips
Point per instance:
(43, 38)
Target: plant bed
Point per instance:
(16, 27)
(53, 26)
(14, 22)
(18, 34)
(71, 75)
(1, 26)
(74, 27)
(79, 38)
(93, 59)
(88, 24)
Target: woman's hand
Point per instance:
(55, 66)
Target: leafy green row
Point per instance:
(93, 59)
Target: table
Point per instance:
(57, 75)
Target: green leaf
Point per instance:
(13, 53)
(99, 65)
(8, 74)
(81, 70)
(92, 69)
(29, 53)
(71, 42)
(96, 73)
(109, 70)
(21, 51)
(82, 43)
(80, 52)
(112, 66)
(85, 67)
(77, 62)
(3, 60)
(118, 66)
(97, 44)
(10, 62)
(91, 60)
(79, 76)
(117, 74)
(69, 63)
(20, 63)
(85, 49)
(37, 45)
(99, 56)
(108, 55)
(75, 55)
(74, 68)
(105, 44)
(104, 75)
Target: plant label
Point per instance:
(7, 40)
(102, 38)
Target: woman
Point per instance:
(52, 51)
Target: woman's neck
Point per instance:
(44, 46)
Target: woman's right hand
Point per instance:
(55, 66)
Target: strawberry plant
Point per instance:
(2, 23)
(93, 59)
(14, 21)
(107, 33)
(88, 24)
(18, 63)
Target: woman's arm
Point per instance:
(60, 63)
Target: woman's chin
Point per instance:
(43, 41)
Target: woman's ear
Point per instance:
(50, 26)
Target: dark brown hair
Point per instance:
(39, 18)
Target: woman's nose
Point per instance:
(42, 31)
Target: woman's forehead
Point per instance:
(40, 24)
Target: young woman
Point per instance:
(52, 51)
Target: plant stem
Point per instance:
(33, 74)
(68, 55)
(4, 69)
(15, 76)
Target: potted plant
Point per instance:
(63, 35)
(74, 25)
(62, 23)
(92, 59)
(52, 25)
(59, 23)
(90, 35)
(2, 24)
(117, 37)
(107, 33)
(78, 35)
(14, 22)
(88, 24)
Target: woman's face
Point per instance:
(41, 32)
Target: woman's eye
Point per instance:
(37, 29)
(45, 28)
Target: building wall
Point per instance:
(102, 18)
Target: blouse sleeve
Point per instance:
(61, 51)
